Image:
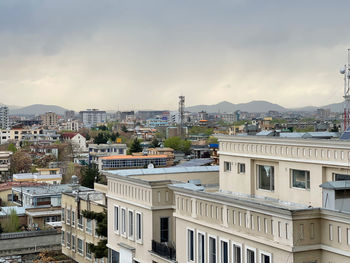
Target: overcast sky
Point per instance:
(144, 54)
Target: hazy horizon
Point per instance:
(143, 54)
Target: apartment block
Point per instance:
(50, 119)
(79, 232)
(92, 117)
(4, 118)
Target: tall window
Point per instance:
(68, 239)
(224, 251)
(80, 246)
(131, 224)
(190, 245)
(73, 218)
(164, 229)
(88, 226)
(80, 221)
(266, 177)
(201, 248)
(116, 218)
(138, 226)
(73, 242)
(237, 253)
(341, 177)
(62, 216)
(88, 250)
(300, 179)
(250, 255)
(68, 216)
(227, 166)
(123, 222)
(212, 250)
(62, 238)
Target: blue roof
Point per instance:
(168, 170)
(214, 145)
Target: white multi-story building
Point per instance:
(4, 117)
(278, 200)
(92, 117)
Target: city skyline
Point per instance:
(111, 54)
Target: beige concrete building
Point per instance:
(44, 175)
(140, 211)
(50, 119)
(279, 200)
(5, 163)
(77, 231)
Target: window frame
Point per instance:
(233, 245)
(131, 224)
(82, 246)
(261, 253)
(87, 228)
(246, 251)
(227, 168)
(160, 225)
(223, 240)
(216, 248)
(307, 180)
(205, 246)
(116, 220)
(272, 178)
(138, 229)
(241, 171)
(123, 222)
(188, 245)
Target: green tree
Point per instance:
(178, 144)
(11, 223)
(135, 146)
(212, 139)
(124, 129)
(12, 148)
(88, 176)
(101, 138)
(155, 143)
(101, 249)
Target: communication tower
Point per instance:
(181, 114)
(346, 72)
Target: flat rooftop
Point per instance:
(55, 189)
(168, 170)
(132, 157)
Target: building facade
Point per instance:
(79, 232)
(116, 162)
(50, 119)
(102, 150)
(4, 118)
(92, 117)
(278, 200)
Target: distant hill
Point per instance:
(11, 107)
(258, 106)
(225, 106)
(37, 109)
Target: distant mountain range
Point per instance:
(224, 106)
(258, 106)
(37, 109)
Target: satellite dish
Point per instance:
(342, 71)
(150, 166)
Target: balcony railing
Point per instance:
(164, 250)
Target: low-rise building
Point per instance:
(102, 150)
(6, 197)
(42, 196)
(5, 163)
(44, 175)
(169, 152)
(77, 140)
(50, 119)
(79, 232)
(117, 162)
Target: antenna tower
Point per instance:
(346, 72)
(181, 114)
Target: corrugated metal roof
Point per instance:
(292, 134)
(195, 162)
(168, 170)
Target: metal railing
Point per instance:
(28, 234)
(163, 250)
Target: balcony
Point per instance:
(163, 250)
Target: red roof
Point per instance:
(69, 135)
